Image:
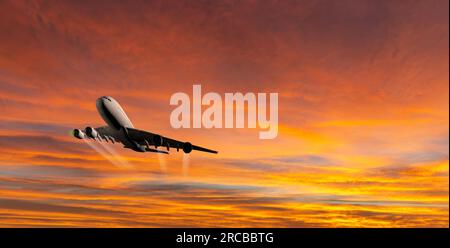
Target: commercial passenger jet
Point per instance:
(120, 129)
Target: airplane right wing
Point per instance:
(150, 139)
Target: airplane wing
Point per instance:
(105, 133)
(146, 139)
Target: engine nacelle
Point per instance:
(91, 132)
(137, 147)
(158, 140)
(77, 133)
(187, 147)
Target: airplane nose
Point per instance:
(99, 101)
(103, 100)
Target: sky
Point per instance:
(363, 135)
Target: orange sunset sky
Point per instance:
(363, 113)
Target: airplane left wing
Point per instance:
(150, 139)
(98, 133)
(106, 133)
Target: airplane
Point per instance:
(120, 129)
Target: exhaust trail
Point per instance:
(116, 156)
(186, 161)
(162, 162)
(104, 153)
(101, 152)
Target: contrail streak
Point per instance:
(105, 154)
(186, 161)
(162, 162)
(116, 156)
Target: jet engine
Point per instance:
(91, 133)
(157, 140)
(187, 147)
(77, 133)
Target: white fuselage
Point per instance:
(112, 113)
(118, 122)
